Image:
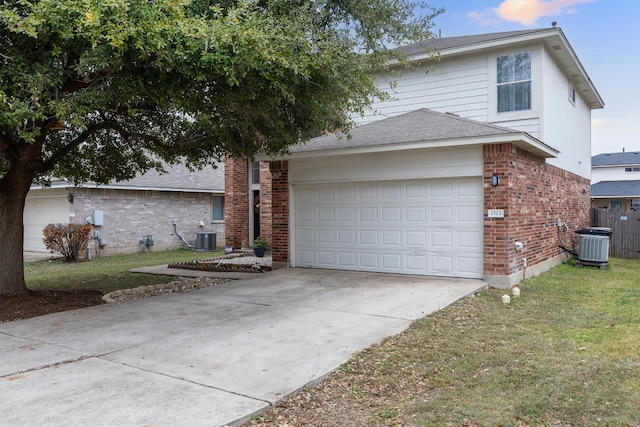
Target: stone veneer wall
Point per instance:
(131, 214)
(266, 196)
(533, 195)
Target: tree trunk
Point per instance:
(13, 193)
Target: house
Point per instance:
(466, 172)
(615, 181)
(127, 216)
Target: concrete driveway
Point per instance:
(213, 357)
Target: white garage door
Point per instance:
(426, 227)
(43, 207)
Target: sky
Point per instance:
(605, 34)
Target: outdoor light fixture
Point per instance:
(70, 198)
(495, 180)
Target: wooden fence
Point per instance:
(625, 241)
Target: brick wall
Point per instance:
(130, 214)
(236, 204)
(533, 196)
(280, 210)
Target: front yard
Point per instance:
(565, 353)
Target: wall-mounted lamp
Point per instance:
(495, 180)
(70, 198)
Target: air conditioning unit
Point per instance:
(206, 241)
(593, 248)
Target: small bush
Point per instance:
(68, 239)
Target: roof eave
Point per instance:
(522, 140)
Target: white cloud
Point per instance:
(525, 12)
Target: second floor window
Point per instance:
(514, 82)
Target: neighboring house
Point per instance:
(615, 181)
(465, 173)
(124, 213)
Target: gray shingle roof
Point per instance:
(616, 189)
(421, 125)
(460, 41)
(616, 159)
(178, 177)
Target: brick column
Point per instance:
(280, 213)
(236, 204)
(496, 230)
(266, 203)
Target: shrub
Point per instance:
(68, 239)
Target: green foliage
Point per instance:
(68, 239)
(135, 81)
(260, 242)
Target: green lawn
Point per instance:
(107, 273)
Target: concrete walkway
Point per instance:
(212, 357)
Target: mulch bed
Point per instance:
(219, 264)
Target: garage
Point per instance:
(43, 207)
(422, 227)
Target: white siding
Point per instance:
(467, 87)
(613, 173)
(567, 127)
(455, 86)
(410, 164)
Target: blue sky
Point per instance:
(605, 35)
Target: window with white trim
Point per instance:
(514, 82)
(217, 208)
(632, 169)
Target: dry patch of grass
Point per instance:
(566, 353)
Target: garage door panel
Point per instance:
(415, 213)
(427, 227)
(347, 214)
(346, 260)
(442, 214)
(392, 262)
(347, 237)
(368, 214)
(392, 238)
(368, 237)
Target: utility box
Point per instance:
(594, 247)
(205, 241)
(98, 218)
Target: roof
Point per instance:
(421, 128)
(177, 178)
(616, 159)
(443, 43)
(553, 39)
(606, 189)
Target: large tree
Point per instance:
(105, 89)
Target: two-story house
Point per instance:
(615, 181)
(466, 172)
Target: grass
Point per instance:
(107, 273)
(565, 353)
